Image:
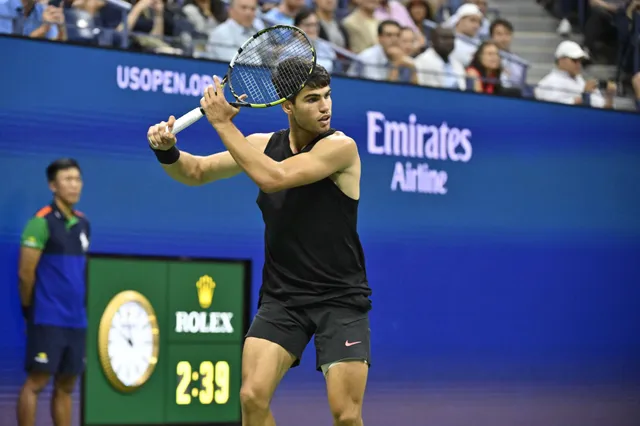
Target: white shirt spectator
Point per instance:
(466, 44)
(483, 32)
(558, 86)
(564, 87)
(374, 64)
(463, 50)
(433, 71)
(226, 38)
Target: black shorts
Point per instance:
(340, 333)
(55, 350)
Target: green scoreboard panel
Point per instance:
(164, 341)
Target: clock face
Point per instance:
(128, 341)
(131, 343)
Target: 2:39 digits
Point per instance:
(207, 375)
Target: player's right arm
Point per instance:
(34, 238)
(194, 170)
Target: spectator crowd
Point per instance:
(451, 44)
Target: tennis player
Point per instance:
(314, 277)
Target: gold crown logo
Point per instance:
(205, 286)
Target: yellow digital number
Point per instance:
(222, 382)
(206, 371)
(184, 370)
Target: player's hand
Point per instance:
(158, 136)
(215, 106)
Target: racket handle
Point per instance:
(186, 120)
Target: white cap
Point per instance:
(570, 49)
(468, 9)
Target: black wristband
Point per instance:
(169, 156)
(25, 311)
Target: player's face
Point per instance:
(312, 109)
(67, 186)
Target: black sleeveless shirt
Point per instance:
(313, 254)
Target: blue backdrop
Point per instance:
(514, 254)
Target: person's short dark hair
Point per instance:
(318, 79)
(60, 165)
(500, 22)
(303, 14)
(385, 23)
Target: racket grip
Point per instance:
(186, 120)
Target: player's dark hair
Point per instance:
(59, 165)
(290, 67)
(385, 23)
(500, 22)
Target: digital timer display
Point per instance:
(206, 382)
(205, 378)
(199, 311)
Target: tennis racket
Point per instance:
(269, 68)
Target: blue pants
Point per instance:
(55, 350)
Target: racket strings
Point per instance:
(272, 66)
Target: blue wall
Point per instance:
(525, 269)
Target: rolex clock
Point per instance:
(165, 339)
(128, 341)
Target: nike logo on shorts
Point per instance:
(348, 343)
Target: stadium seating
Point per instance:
(104, 23)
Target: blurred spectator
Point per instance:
(408, 42)
(485, 69)
(420, 10)
(84, 21)
(567, 7)
(205, 15)
(146, 16)
(626, 35)
(435, 67)
(468, 19)
(385, 60)
(565, 84)
(40, 20)
(501, 32)
(393, 10)
(226, 38)
(485, 24)
(362, 26)
(600, 26)
(9, 10)
(308, 22)
(285, 12)
(330, 28)
(636, 89)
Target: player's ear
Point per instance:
(287, 107)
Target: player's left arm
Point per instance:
(329, 156)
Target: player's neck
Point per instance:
(66, 209)
(299, 138)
